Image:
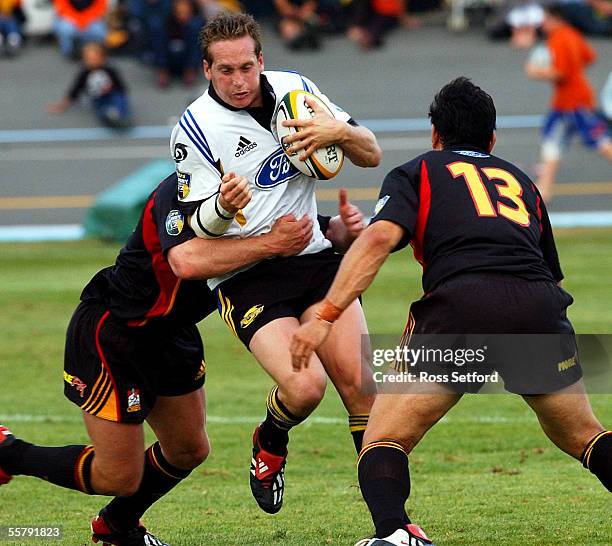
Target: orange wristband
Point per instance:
(328, 312)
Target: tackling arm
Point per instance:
(205, 258)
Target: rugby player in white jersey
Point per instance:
(226, 132)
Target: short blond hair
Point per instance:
(228, 26)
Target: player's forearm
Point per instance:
(360, 146)
(360, 266)
(206, 258)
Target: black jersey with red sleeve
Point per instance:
(141, 287)
(464, 210)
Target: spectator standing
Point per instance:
(147, 26)
(298, 24)
(10, 33)
(104, 87)
(573, 99)
(179, 53)
(372, 20)
(79, 20)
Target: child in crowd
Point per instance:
(104, 87)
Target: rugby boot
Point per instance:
(267, 477)
(6, 439)
(103, 532)
(410, 535)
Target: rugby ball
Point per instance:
(324, 163)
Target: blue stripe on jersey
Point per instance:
(196, 133)
(306, 86)
(199, 131)
(197, 143)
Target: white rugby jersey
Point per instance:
(211, 139)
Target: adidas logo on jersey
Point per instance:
(244, 146)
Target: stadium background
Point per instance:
(485, 472)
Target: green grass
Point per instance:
(499, 483)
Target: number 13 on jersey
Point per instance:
(509, 188)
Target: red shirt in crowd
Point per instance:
(571, 54)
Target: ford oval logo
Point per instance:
(275, 170)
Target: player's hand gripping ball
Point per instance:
(325, 162)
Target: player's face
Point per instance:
(235, 72)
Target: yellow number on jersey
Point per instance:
(510, 189)
(479, 193)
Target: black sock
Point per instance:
(357, 425)
(597, 457)
(385, 485)
(158, 478)
(66, 466)
(274, 431)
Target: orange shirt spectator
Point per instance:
(8, 7)
(571, 54)
(81, 13)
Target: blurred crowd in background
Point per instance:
(163, 34)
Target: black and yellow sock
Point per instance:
(158, 478)
(274, 431)
(66, 466)
(384, 479)
(357, 425)
(597, 457)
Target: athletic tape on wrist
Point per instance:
(211, 220)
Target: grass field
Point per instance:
(486, 475)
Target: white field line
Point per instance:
(8, 418)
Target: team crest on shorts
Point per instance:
(380, 204)
(184, 184)
(74, 381)
(133, 402)
(251, 315)
(174, 223)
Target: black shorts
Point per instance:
(116, 372)
(276, 288)
(519, 327)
